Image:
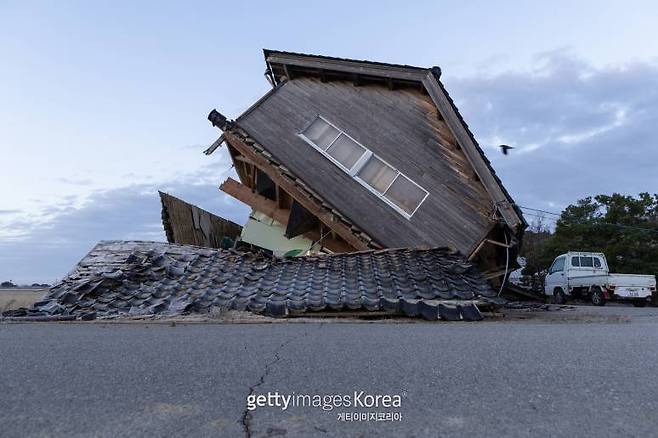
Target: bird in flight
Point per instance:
(505, 148)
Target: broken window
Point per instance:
(368, 169)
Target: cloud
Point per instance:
(578, 130)
(75, 181)
(42, 251)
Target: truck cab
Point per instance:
(585, 275)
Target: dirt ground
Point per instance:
(14, 298)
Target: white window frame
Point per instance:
(356, 168)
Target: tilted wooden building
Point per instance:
(357, 154)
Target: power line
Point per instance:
(630, 227)
(536, 209)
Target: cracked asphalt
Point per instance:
(591, 376)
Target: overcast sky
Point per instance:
(104, 103)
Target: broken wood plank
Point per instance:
(270, 208)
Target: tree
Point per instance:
(534, 241)
(625, 228)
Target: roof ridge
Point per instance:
(268, 52)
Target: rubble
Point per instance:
(131, 278)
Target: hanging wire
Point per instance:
(630, 227)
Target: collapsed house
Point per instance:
(367, 189)
(348, 155)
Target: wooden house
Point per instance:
(353, 155)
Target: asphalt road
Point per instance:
(521, 378)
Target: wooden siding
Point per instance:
(401, 126)
(187, 224)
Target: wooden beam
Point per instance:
(269, 208)
(258, 202)
(216, 144)
(289, 186)
(347, 66)
(243, 159)
(494, 274)
(288, 72)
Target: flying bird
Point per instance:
(505, 148)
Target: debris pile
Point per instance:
(119, 278)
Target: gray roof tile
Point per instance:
(137, 278)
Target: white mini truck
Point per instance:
(585, 275)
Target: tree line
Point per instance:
(624, 228)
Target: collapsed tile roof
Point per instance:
(147, 278)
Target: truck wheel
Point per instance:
(639, 303)
(597, 297)
(559, 297)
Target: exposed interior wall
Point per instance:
(267, 233)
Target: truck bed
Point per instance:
(632, 280)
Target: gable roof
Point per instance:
(282, 64)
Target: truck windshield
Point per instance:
(558, 266)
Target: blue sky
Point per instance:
(104, 103)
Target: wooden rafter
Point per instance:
(269, 208)
(289, 186)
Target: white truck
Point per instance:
(585, 275)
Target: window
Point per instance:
(346, 151)
(321, 133)
(405, 194)
(586, 262)
(378, 174)
(575, 261)
(558, 266)
(379, 177)
(597, 262)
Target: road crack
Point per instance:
(246, 415)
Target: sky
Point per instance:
(102, 104)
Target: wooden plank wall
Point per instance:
(401, 126)
(187, 224)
